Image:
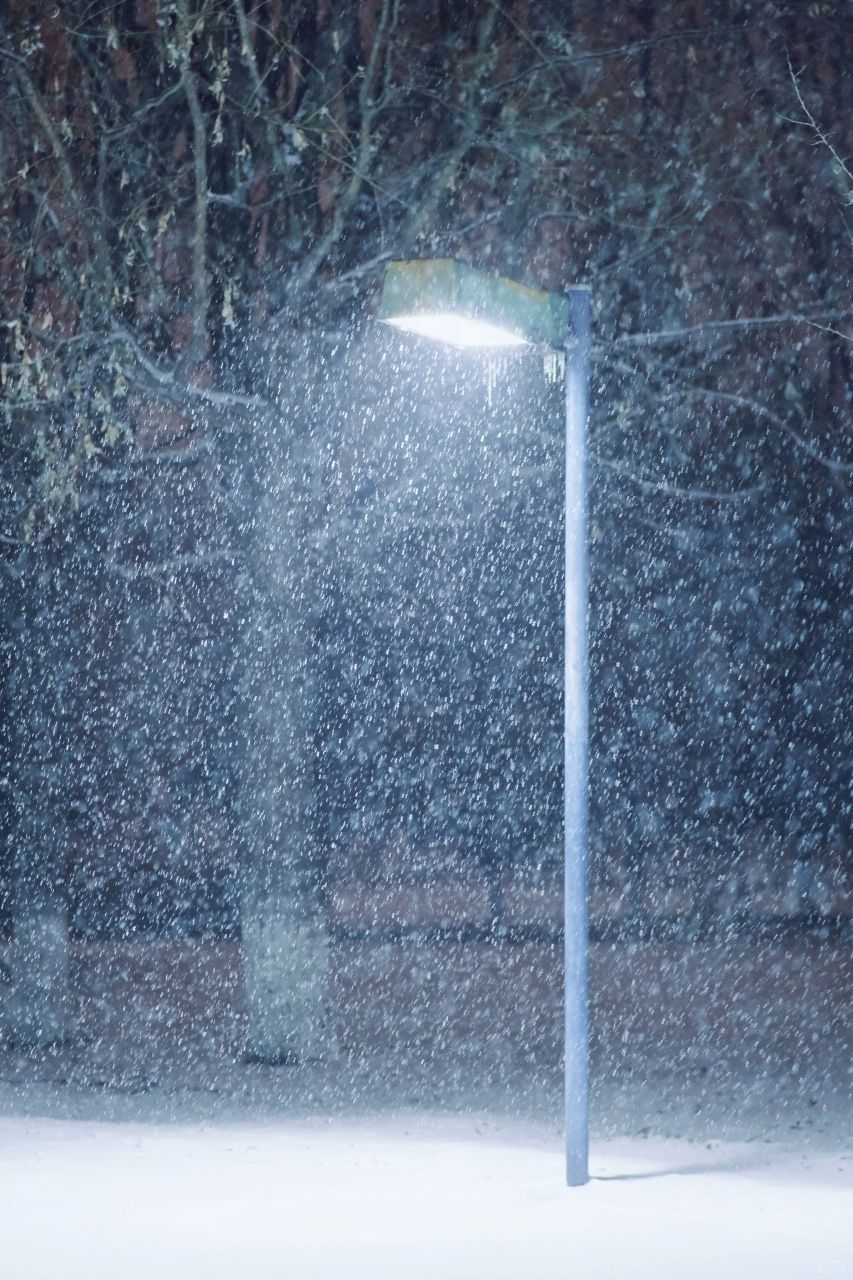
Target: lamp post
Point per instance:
(456, 304)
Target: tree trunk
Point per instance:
(286, 971)
(283, 927)
(38, 1011)
(40, 702)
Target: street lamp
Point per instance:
(456, 304)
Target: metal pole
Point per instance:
(575, 730)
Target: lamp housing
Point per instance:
(453, 303)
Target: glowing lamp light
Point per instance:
(456, 304)
(458, 331)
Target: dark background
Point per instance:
(230, 498)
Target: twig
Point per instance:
(744, 322)
(813, 124)
(471, 116)
(763, 411)
(61, 156)
(368, 108)
(166, 378)
(675, 491)
(198, 346)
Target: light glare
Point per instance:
(456, 330)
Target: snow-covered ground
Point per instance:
(406, 1197)
(149, 1149)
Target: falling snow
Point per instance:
(281, 768)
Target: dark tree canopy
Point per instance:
(197, 201)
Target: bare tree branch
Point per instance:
(815, 127)
(675, 491)
(198, 346)
(764, 411)
(471, 113)
(165, 378)
(710, 326)
(63, 160)
(369, 106)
